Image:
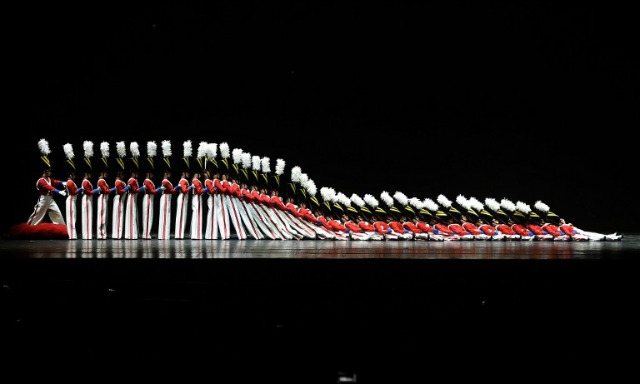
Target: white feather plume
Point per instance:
(464, 203)
(508, 205)
(311, 187)
(523, 207)
(212, 150)
(476, 204)
(152, 148)
(68, 151)
(280, 166)
(88, 148)
(121, 149)
(202, 149)
(327, 193)
(303, 178)
(255, 163)
(442, 199)
(236, 155)
(295, 174)
(224, 150)
(430, 204)
(492, 204)
(416, 203)
(401, 197)
(187, 150)
(266, 167)
(166, 148)
(43, 145)
(372, 201)
(134, 148)
(246, 160)
(104, 149)
(386, 197)
(343, 199)
(357, 200)
(542, 207)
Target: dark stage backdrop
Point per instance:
(531, 101)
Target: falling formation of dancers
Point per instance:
(224, 194)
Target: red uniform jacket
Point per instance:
(552, 229)
(409, 226)
(208, 184)
(197, 187)
(276, 202)
(72, 188)
(45, 185)
(536, 229)
(304, 212)
(381, 227)
(353, 227)
(168, 187)
(265, 199)
(471, 228)
(366, 226)
(255, 196)
(133, 185)
(120, 186)
(324, 222)
(487, 229)
(87, 187)
(293, 210)
(396, 226)
(505, 229)
(220, 188)
(458, 229)
(336, 225)
(520, 230)
(183, 186)
(443, 229)
(424, 227)
(566, 228)
(103, 187)
(150, 187)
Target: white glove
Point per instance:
(63, 193)
(64, 183)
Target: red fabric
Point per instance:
(366, 226)
(337, 226)
(424, 227)
(381, 227)
(276, 202)
(120, 186)
(353, 227)
(150, 187)
(567, 228)
(183, 186)
(246, 194)
(520, 229)
(72, 188)
(265, 199)
(292, 209)
(234, 190)
(219, 186)
(255, 196)
(471, 228)
(304, 212)
(443, 229)
(505, 229)
(43, 231)
(209, 186)
(324, 222)
(133, 185)
(536, 229)
(552, 229)
(197, 187)
(103, 186)
(45, 185)
(458, 229)
(87, 187)
(487, 229)
(396, 226)
(168, 187)
(411, 227)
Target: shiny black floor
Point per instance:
(302, 312)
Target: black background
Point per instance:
(531, 101)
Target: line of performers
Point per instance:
(223, 194)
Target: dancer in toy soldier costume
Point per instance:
(103, 193)
(131, 209)
(86, 206)
(149, 189)
(198, 191)
(119, 198)
(46, 187)
(166, 194)
(71, 207)
(182, 192)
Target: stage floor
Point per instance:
(304, 311)
(629, 247)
